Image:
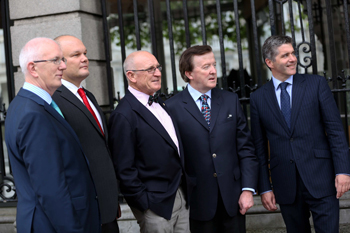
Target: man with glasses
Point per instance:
(147, 151)
(53, 182)
(83, 113)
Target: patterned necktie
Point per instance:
(205, 108)
(152, 99)
(285, 103)
(55, 106)
(86, 102)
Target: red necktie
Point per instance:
(86, 102)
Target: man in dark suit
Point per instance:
(53, 182)
(309, 155)
(219, 151)
(90, 127)
(147, 151)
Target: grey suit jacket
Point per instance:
(95, 147)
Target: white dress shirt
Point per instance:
(74, 89)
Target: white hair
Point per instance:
(31, 51)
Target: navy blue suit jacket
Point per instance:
(54, 185)
(225, 149)
(315, 144)
(146, 159)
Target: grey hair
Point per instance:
(31, 51)
(270, 47)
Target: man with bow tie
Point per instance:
(147, 151)
(219, 151)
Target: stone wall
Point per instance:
(80, 18)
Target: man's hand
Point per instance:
(342, 184)
(246, 201)
(119, 212)
(268, 200)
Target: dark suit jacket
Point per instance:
(146, 159)
(54, 186)
(95, 147)
(315, 144)
(220, 158)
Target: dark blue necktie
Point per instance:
(285, 103)
(205, 108)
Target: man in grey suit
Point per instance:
(83, 113)
(309, 156)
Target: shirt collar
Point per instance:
(196, 94)
(277, 82)
(38, 91)
(142, 97)
(70, 86)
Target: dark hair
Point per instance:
(186, 58)
(270, 47)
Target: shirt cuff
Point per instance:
(265, 192)
(249, 189)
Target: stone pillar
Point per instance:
(80, 18)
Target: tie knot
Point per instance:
(284, 85)
(204, 97)
(81, 92)
(152, 99)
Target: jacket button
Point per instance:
(96, 197)
(214, 156)
(215, 175)
(291, 161)
(291, 140)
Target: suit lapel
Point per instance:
(191, 106)
(272, 102)
(215, 107)
(69, 96)
(298, 91)
(149, 118)
(94, 101)
(49, 109)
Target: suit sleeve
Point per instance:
(261, 150)
(334, 129)
(40, 146)
(122, 142)
(245, 151)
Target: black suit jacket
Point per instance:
(146, 159)
(220, 158)
(95, 147)
(315, 144)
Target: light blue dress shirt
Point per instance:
(38, 91)
(195, 95)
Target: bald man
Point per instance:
(54, 186)
(147, 151)
(83, 113)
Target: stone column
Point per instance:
(80, 18)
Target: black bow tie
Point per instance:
(152, 99)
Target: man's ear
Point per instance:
(131, 76)
(32, 69)
(269, 63)
(188, 74)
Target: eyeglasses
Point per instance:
(55, 61)
(149, 70)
